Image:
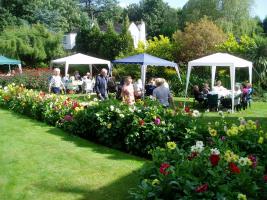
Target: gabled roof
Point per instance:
(80, 59)
(220, 59)
(145, 59)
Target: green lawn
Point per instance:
(258, 111)
(42, 162)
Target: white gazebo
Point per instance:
(220, 60)
(80, 59)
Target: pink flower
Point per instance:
(68, 118)
(157, 121)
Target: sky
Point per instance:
(259, 9)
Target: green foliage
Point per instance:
(231, 16)
(252, 48)
(102, 10)
(32, 44)
(198, 39)
(264, 23)
(159, 17)
(107, 44)
(57, 15)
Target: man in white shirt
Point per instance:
(56, 82)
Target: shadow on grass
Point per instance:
(117, 190)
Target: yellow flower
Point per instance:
(241, 196)
(212, 132)
(260, 140)
(109, 126)
(155, 182)
(229, 156)
(241, 128)
(171, 145)
(233, 131)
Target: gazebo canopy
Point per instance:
(80, 59)
(144, 60)
(220, 60)
(8, 61)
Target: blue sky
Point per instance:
(260, 7)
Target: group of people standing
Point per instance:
(128, 91)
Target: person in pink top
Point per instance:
(128, 91)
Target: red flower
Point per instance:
(202, 188)
(163, 168)
(141, 122)
(187, 109)
(265, 178)
(193, 155)
(234, 168)
(214, 159)
(75, 104)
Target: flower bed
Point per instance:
(229, 163)
(202, 172)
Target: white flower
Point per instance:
(13, 84)
(199, 147)
(215, 151)
(5, 88)
(199, 143)
(0, 86)
(95, 99)
(243, 161)
(121, 115)
(225, 128)
(97, 114)
(131, 109)
(117, 110)
(112, 108)
(138, 110)
(196, 113)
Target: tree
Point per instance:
(57, 15)
(126, 40)
(264, 23)
(231, 15)
(159, 17)
(34, 44)
(102, 10)
(88, 40)
(198, 39)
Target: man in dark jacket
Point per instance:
(101, 85)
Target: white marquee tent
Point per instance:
(220, 60)
(80, 59)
